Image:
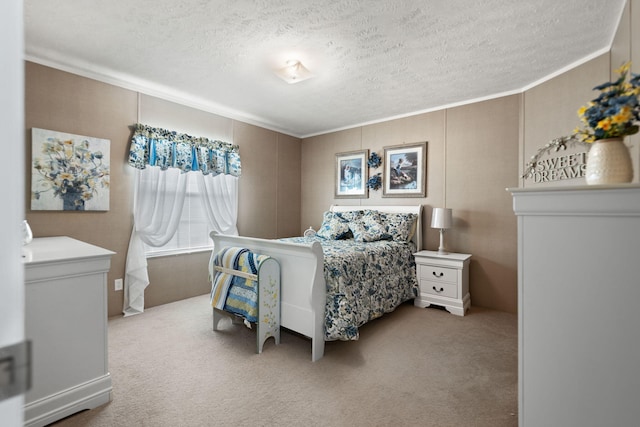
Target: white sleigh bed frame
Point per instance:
(302, 284)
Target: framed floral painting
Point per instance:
(351, 174)
(69, 172)
(405, 170)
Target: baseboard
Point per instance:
(88, 395)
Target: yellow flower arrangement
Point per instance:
(615, 112)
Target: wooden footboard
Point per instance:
(302, 284)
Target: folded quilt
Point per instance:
(236, 293)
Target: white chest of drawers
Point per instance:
(443, 280)
(578, 296)
(66, 322)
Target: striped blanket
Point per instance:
(236, 293)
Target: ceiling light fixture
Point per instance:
(294, 72)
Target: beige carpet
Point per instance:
(412, 367)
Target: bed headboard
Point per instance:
(414, 209)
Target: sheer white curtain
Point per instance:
(221, 202)
(158, 202)
(157, 208)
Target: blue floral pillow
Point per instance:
(350, 216)
(400, 226)
(333, 227)
(368, 228)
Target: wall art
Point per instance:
(405, 170)
(69, 172)
(351, 174)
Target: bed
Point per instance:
(322, 297)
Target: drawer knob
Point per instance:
(438, 274)
(438, 290)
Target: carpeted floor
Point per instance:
(412, 367)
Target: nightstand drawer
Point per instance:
(439, 274)
(449, 290)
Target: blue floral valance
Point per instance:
(167, 149)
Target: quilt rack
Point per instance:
(267, 281)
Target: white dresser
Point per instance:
(66, 322)
(579, 305)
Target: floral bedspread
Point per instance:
(364, 281)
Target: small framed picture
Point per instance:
(405, 170)
(352, 174)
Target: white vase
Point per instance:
(608, 162)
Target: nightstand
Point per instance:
(443, 280)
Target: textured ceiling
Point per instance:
(372, 59)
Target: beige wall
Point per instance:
(269, 204)
(64, 102)
(482, 148)
(318, 163)
(471, 159)
(550, 111)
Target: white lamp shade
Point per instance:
(441, 218)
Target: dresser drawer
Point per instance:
(438, 274)
(449, 290)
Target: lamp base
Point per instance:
(441, 249)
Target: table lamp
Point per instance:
(441, 218)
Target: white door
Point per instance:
(12, 179)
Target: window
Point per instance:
(192, 234)
(166, 162)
